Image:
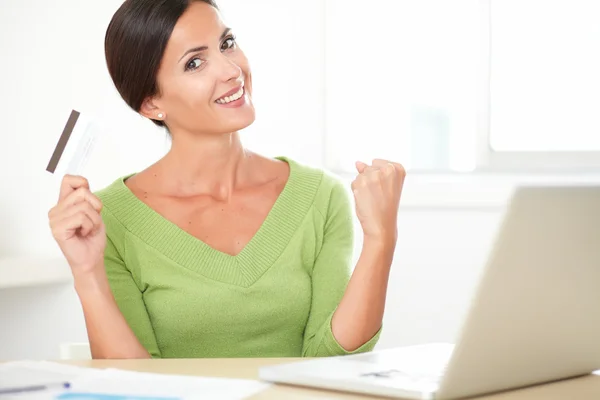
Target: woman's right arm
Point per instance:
(108, 332)
(80, 233)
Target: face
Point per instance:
(204, 78)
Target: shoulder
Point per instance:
(108, 192)
(116, 201)
(329, 191)
(114, 195)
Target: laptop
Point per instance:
(534, 315)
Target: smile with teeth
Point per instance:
(233, 97)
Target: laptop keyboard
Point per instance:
(409, 377)
(417, 364)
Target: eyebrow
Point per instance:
(203, 48)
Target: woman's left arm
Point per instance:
(346, 317)
(377, 191)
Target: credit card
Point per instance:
(74, 145)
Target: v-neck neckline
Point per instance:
(244, 268)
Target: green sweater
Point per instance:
(184, 299)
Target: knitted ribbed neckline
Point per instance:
(243, 269)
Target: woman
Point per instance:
(215, 251)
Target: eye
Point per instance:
(193, 64)
(228, 43)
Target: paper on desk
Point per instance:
(113, 384)
(172, 386)
(26, 373)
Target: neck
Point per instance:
(205, 165)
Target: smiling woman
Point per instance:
(182, 77)
(215, 251)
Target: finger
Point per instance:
(397, 166)
(359, 183)
(386, 165)
(380, 163)
(394, 173)
(360, 166)
(80, 195)
(373, 168)
(82, 207)
(369, 180)
(71, 183)
(68, 227)
(87, 227)
(388, 171)
(372, 173)
(91, 215)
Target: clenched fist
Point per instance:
(77, 225)
(377, 190)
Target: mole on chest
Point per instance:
(227, 231)
(226, 227)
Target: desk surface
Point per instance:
(580, 388)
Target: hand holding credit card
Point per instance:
(75, 220)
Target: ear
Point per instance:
(151, 110)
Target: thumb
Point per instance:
(360, 166)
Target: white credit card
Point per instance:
(74, 146)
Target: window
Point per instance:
(544, 83)
(464, 85)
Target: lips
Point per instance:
(231, 95)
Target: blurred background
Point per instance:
(472, 96)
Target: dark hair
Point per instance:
(135, 42)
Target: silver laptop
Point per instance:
(534, 316)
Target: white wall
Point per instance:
(52, 61)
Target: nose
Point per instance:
(229, 70)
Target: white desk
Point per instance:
(586, 388)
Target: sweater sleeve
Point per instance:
(129, 298)
(330, 276)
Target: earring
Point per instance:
(160, 115)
